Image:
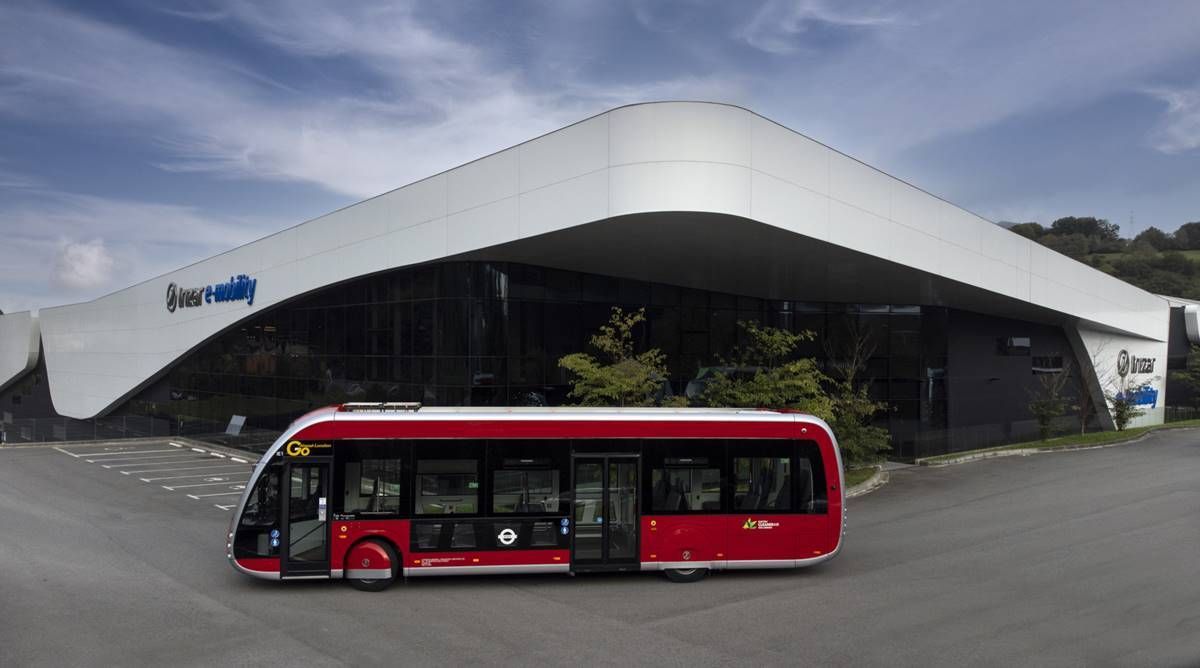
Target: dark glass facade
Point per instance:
(490, 334)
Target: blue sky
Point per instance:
(139, 136)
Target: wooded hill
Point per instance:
(1156, 261)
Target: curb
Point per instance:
(879, 479)
(1025, 452)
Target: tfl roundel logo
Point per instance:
(172, 297)
(1123, 363)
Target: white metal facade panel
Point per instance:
(19, 338)
(647, 158)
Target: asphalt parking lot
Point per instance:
(1081, 558)
(196, 472)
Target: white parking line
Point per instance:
(239, 460)
(217, 454)
(67, 453)
(125, 453)
(229, 507)
(137, 461)
(240, 484)
(205, 496)
(199, 450)
(113, 448)
(129, 455)
(192, 475)
(212, 465)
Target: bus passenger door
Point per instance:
(605, 513)
(305, 540)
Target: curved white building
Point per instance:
(704, 213)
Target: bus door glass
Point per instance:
(306, 507)
(606, 511)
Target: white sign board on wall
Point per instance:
(1129, 366)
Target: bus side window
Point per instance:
(685, 476)
(447, 478)
(373, 487)
(526, 478)
(762, 483)
(372, 478)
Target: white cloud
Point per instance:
(11, 179)
(81, 265)
(439, 102)
(60, 248)
(1180, 127)
(935, 69)
(778, 26)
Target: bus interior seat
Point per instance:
(676, 499)
(783, 497)
(749, 501)
(806, 490)
(661, 490)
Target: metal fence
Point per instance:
(960, 439)
(1181, 413)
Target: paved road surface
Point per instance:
(1085, 558)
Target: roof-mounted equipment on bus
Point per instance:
(381, 407)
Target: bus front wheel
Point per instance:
(685, 574)
(372, 565)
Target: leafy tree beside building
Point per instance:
(617, 375)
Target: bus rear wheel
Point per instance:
(376, 557)
(685, 574)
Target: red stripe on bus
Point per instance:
(259, 564)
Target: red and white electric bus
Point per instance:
(369, 492)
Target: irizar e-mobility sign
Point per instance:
(236, 289)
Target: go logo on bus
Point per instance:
(298, 449)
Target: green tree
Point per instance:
(617, 376)
(1072, 245)
(1123, 401)
(1029, 230)
(861, 440)
(780, 380)
(1156, 239)
(1046, 400)
(1169, 273)
(1190, 376)
(1097, 228)
(1188, 236)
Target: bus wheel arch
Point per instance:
(366, 561)
(685, 574)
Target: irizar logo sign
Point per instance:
(1127, 364)
(237, 288)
